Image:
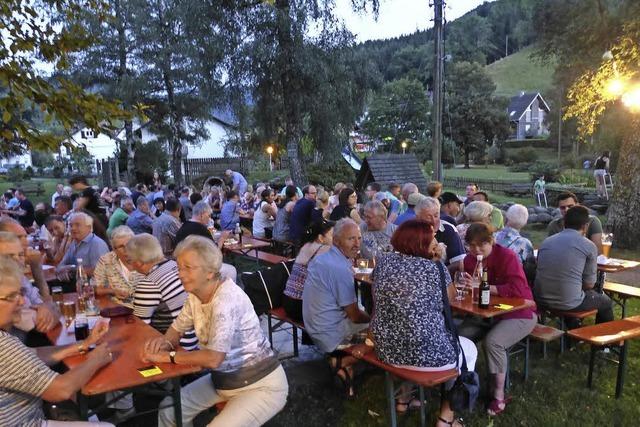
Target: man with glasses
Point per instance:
(566, 201)
(45, 317)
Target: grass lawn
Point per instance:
(519, 72)
(494, 172)
(49, 185)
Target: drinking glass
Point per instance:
(57, 296)
(460, 283)
(69, 312)
(363, 264)
(81, 328)
(607, 241)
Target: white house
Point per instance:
(20, 160)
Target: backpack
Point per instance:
(265, 287)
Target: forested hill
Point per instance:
(478, 36)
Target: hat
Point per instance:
(448, 197)
(380, 196)
(415, 198)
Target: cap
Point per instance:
(380, 196)
(415, 198)
(448, 197)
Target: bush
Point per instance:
(524, 155)
(550, 171)
(533, 143)
(15, 174)
(28, 173)
(327, 174)
(58, 171)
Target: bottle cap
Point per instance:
(479, 257)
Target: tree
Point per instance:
(476, 117)
(30, 35)
(400, 111)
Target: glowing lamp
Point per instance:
(631, 98)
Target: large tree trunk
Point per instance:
(293, 125)
(131, 151)
(624, 211)
(466, 158)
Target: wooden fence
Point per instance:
(108, 172)
(194, 168)
(483, 184)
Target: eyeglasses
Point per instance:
(12, 297)
(564, 208)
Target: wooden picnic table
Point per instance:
(620, 293)
(248, 244)
(126, 338)
(614, 333)
(616, 265)
(468, 307)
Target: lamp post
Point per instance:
(270, 151)
(404, 147)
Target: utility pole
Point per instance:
(559, 130)
(506, 46)
(438, 64)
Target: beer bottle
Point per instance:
(485, 291)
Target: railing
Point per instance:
(194, 168)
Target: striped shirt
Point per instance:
(159, 297)
(23, 379)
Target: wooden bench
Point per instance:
(614, 333)
(519, 189)
(562, 316)
(35, 188)
(620, 293)
(281, 318)
(420, 378)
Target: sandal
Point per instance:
(497, 406)
(456, 421)
(346, 380)
(411, 405)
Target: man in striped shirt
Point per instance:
(159, 296)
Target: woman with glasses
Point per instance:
(113, 273)
(25, 378)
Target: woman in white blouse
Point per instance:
(244, 370)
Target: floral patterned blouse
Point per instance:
(408, 324)
(110, 272)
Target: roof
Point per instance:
(387, 168)
(519, 105)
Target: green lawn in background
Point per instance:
(494, 172)
(519, 72)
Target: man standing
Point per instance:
(449, 207)
(121, 215)
(25, 212)
(57, 193)
(567, 269)
(300, 217)
(429, 210)
(140, 220)
(287, 182)
(85, 245)
(185, 202)
(566, 201)
(376, 230)
(166, 226)
(239, 183)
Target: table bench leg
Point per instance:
(592, 360)
(83, 406)
(423, 407)
(391, 398)
(177, 404)
(622, 365)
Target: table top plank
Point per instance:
(617, 265)
(609, 332)
(468, 307)
(622, 290)
(248, 243)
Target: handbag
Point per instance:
(466, 388)
(265, 287)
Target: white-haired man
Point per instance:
(429, 210)
(159, 295)
(85, 244)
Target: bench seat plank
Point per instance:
(606, 333)
(545, 333)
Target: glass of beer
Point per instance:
(607, 240)
(57, 296)
(363, 264)
(69, 312)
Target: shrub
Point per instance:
(15, 174)
(327, 174)
(28, 173)
(550, 171)
(524, 155)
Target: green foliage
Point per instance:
(550, 171)
(41, 159)
(399, 112)
(520, 71)
(523, 155)
(533, 142)
(16, 174)
(151, 157)
(328, 174)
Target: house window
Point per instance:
(87, 133)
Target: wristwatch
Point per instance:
(172, 357)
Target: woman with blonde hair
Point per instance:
(475, 212)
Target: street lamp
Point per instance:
(404, 147)
(270, 151)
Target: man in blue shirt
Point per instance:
(230, 212)
(140, 221)
(412, 200)
(85, 245)
(329, 304)
(300, 217)
(429, 210)
(449, 207)
(239, 183)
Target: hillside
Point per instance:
(518, 72)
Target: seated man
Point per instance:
(159, 295)
(376, 230)
(429, 210)
(46, 316)
(140, 220)
(567, 267)
(450, 207)
(85, 245)
(25, 379)
(412, 200)
(329, 305)
(566, 201)
(167, 225)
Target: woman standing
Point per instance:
(265, 214)
(408, 324)
(348, 199)
(600, 169)
(281, 225)
(507, 279)
(244, 370)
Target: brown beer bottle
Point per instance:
(485, 291)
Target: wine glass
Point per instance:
(460, 283)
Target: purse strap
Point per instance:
(448, 317)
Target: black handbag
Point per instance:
(265, 287)
(466, 388)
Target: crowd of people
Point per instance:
(158, 248)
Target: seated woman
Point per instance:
(60, 239)
(347, 201)
(509, 237)
(265, 214)
(281, 226)
(321, 212)
(244, 370)
(113, 273)
(408, 325)
(316, 242)
(25, 379)
(475, 212)
(507, 279)
(158, 207)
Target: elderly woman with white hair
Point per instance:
(475, 212)
(113, 274)
(244, 370)
(509, 237)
